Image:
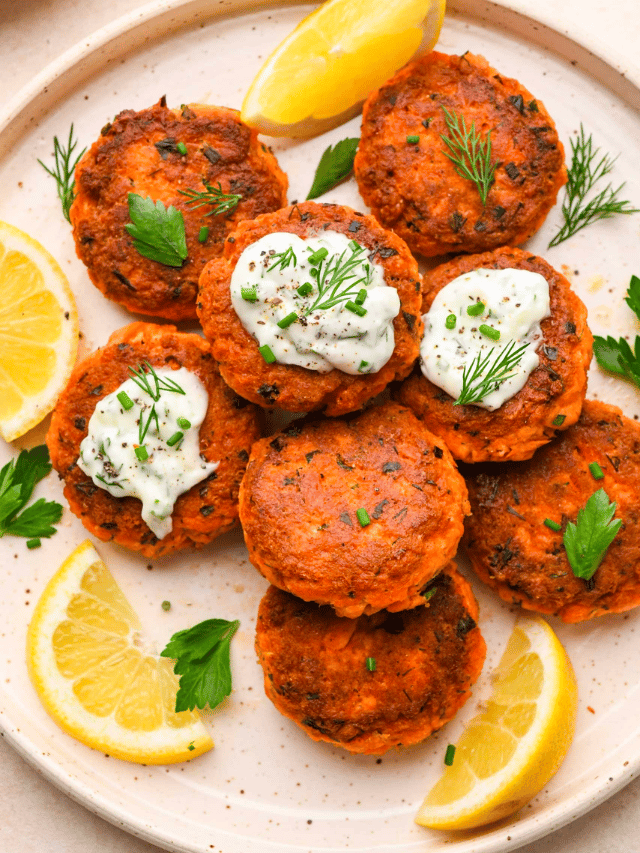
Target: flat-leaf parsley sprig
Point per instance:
(616, 356)
(158, 231)
(222, 202)
(483, 375)
(150, 383)
(584, 173)
(336, 280)
(17, 482)
(587, 541)
(203, 663)
(470, 154)
(64, 170)
(335, 165)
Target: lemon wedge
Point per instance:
(88, 664)
(38, 332)
(319, 75)
(508, 753)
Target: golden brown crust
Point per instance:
(415, 190)
(512, 550)
(554, 391)
(130, 157)
(426, 658)
(303, 487)
(289, 387)
(230, 427)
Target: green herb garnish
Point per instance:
(584, 173)
(175, 438)
(182, 148)
(552, 525)
(335, 164)
(267, 353)
(125, 401)
(150, 383)
(17, 482)
(559, 420)
(166, 605)
(203, 233)
(337, 280)
(355, 308)
(363, 517)
(305, 289)
(449, 755)
(33, 543)
(202, 662)
(184, 423)
(586, 542)
(287, 321)
(483, 376)
(249, 294)
(64, 171)
(221, 202)
(413, 140)
(371, 664)
(142, 454)
(450, 322)
(596, 471)
(284, 259)
(158, 231)
(470, 155)
(475, 310)
(489, 332)
(617, 356)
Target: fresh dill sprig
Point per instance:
(482, 376)
(470, 154)
(64, 171)
(222, 202)
(336, 280)
(150, 383)
(584, 173)
(284, 259)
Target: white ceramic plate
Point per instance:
(266, 786)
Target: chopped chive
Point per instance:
(184, 423)
(125, 401)
(166, 605)
(489, 332)
(357, 309)
(596, 471)
(413, 140)
(249, 294)
(449, 755)
(475, 309)
(354, 246)
(33, 543)
(450, 322)
(318, 255)
(142, 453)
(362, 366)
(182, 148)
(363, 517)
(267, 353)
(175, 438)
(287, 321)
(203, 233)
(371, 664)
(429, 593)
(362, 295)
(552, 525)
(558, 420)
(305, 289)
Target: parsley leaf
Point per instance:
(158, 231)
(617, 356)
(633, 295)
(202, 662)
(587, 541)
(17, 481)
(335, 164)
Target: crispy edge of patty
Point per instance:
(231, 425)
(427, 660)
(290, 387)
(137, 153)
(516, 554)
(415, 188)
(300, 496)
(554, 391)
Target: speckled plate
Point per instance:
(266, 786)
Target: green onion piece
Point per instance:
(429, 593)
(558, 420)
(267, 353)
(183, 423)
(305, 289)
(249, 294)
(175, 438)
(450, 322)
(371, 664)
(166, 605)
(362, 366)
(287, 321)
(125, 401)
(362, 295)
(596, 471)
(318, 255)
(476, 309)
(489, 332)
(357, 309)
(449, 754)
(413, 140)
(182, 148)
(354, 245)
(552, 525)
(142, 453)
(363, 517)
(33, 543)
(203, 233)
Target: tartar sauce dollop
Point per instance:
(147, 448)
(480, 311)
(320, 303)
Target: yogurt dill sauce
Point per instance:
(143, 442)
(486, 316)
(319, 303)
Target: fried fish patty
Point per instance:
(513, 551)
(139, 152)
(426, 660)
(550, 400)
(413, 187)
(289, 387)
(230, 427)
(303, 497)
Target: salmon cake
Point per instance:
(330, 307)
(552, 396)
(360, 514)
(404, 166)
(203, 162)
(229, 428)
(375, 682)
(520, 513)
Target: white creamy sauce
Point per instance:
(108, 453)
(324, 332)
(515, 301)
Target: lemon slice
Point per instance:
(512, 748)
(38, 332)
(93, 675)
(317, 77)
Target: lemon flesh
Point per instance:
(320, 74)
(38, 332)
(90, 668)
(512, 748)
